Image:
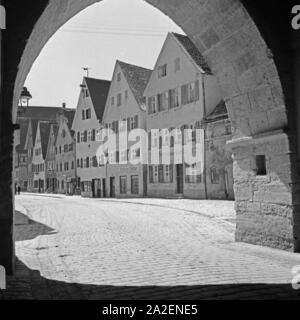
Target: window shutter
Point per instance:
(150, 111)
(95, 163)
(183, 95)
(151, 180)
(136, 121)
(85, 136)
(93, 135)
(128, 124)
(197, 92)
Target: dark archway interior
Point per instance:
(274, 23)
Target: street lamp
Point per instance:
(24, 98)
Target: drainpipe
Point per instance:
(204, 149)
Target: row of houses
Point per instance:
(61, 153)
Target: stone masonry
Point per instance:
(249, 51)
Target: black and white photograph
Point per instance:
(149, 151)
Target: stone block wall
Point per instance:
(264, 204)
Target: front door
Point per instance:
(112, 187)
(179, 172)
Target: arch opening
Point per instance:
(247, 72)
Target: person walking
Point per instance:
(19, 189)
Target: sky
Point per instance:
(128, 30)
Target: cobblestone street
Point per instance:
(74, 248)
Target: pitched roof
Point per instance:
(137, 78)
(193, 52)
(39, 113)
(220, 112)
(45, 133)
(34, 126)
(98, 90)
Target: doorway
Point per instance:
(112, 187)
(179, 178)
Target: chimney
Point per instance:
(64, 105)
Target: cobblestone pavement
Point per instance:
(74, 248)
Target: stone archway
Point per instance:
(246, 56)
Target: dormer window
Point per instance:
(162, 71)
(112, 101)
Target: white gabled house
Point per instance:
(87, 122)
(181, 92)
(125, 110)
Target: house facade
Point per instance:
(218, 159)
(51, 178)
(125, 174)
(39, 156)
(21, 157)
(180, 93)
(32, 115)
(86, 125)
(65, 154)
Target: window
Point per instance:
(63, 133)
(78, 163)
(214, 176)
(261, 168)
(190, 93)
(177, 64)
(134, 184)
(152, 105)
(162, 101)
(83, 115)
(126, 94)
(78, 137)
(112, 101)
(119, 100)
(174, 98)
(193, 174)
(87, 162)
(123, 125)
(86, 93)
(124, 156)
(90, 135)
(162, 71)
(88, 114)
(161, 173)
(123, 185)
(82, 136)
(119, 77)
(71, 147)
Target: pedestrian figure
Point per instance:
(19, 190)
